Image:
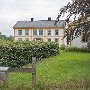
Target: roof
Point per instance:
(39, 24)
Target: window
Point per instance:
(20, 39)
(19, 32)
(56, 32)
(49, 32)
(34, 32)
(57, 40)
(40, 32)
(26, 32)
(27, 39)
(49, 39)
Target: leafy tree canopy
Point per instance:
(80, 11)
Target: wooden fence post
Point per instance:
(33, 72)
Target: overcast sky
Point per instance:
(12, 11)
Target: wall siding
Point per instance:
(45, 35)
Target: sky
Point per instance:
(12, 11)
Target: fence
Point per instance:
(25, 70)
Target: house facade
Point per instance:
(44, 30)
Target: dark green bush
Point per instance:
(18, 54)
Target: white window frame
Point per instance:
(35, 33)
(40, 31)
(19, 32)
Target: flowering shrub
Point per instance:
(18, 54)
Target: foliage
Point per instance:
(88, 45)
(76, 49)
(0, 33)
(5, 42)
(18, 54)
(4, 37)
(62, 47)
(66, 71)
(80, 10)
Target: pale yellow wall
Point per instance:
(45, 36)
(30, 34)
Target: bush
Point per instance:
(18, 54)
(88, 45)
(84, 49)
(62, 47)
(76, 49)
(72, 49)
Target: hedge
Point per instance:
(77, 49)
(18, 54)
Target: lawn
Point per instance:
(65, 66)
(66, 71)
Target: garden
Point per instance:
(55, 70)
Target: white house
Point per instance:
(45, 30)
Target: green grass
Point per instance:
(66, 66)
(66, 70)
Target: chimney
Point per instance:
(49, 18)
(32, 19)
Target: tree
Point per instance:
(10, 38)
(6, 37)
(0, 33)
(80, 25)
